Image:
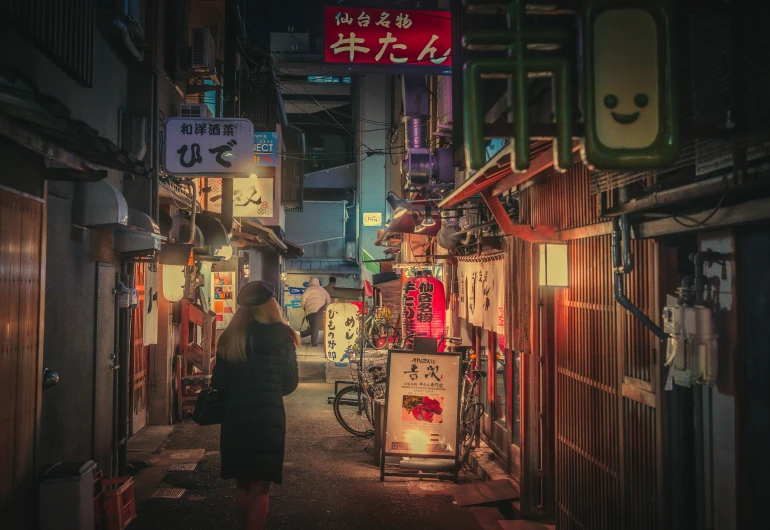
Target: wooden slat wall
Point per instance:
(21, 235)
(606, 422)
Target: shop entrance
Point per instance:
(21, 251)
(139, 355)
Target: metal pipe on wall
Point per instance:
(229, 86)
(115, 378)
(623, 263)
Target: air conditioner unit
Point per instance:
(350, 251)
(204, 51)
(195, 110)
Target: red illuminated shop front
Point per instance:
(388, 36)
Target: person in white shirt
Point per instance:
(314, 301)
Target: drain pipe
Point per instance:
(623, 263)
(193, 204)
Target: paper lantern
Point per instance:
(173, 282)
(341, 325)
(423, 308)
(554, 271)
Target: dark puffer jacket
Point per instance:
(254, 428)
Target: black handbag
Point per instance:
(210, 407)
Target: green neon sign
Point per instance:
(516, 67)
(630, 98)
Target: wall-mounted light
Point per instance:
(554, 271)
(173, 282)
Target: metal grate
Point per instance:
(183, 467)
(168, 493)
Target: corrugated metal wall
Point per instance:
(606, 425)
(20, 358)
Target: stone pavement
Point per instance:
(330, 482)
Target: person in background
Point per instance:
(330, 287)
(256, 366)
(314, 301)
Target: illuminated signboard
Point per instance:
(266, 149)
(388, 36)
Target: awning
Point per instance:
(255, 234)
(322, 266)
(141, 237)
(497, 177)
(98, 204)
(43, 124)
(214, 234)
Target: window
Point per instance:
(327, 79)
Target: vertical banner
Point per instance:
(481, 299)
(422, 404)
(341, 328)
(150, 331)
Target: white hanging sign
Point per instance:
(209, 146)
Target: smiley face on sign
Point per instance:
(631, 111)
(626, 69)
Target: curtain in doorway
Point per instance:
(150, 332)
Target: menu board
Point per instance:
(422, 404)
(223, 297)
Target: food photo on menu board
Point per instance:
(422, 408)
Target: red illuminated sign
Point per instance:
(388, 37)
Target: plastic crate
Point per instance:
(119, 502)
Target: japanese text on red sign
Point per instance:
(388, 37)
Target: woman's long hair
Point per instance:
(231, 345)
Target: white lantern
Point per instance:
(554, 271)
(174, 277)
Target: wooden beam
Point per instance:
(540, 234)
(541, 162)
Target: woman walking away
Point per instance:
(256, 366)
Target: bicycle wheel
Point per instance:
(351, 410)
(469, 424)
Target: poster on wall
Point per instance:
(422, 404)
(223, 297)
(341, 326)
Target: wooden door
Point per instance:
(139, 356)
(22, 256)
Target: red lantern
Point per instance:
(423, 308)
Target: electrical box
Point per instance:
(691, 350)
(128, 298)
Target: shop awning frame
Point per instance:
(495, 178)
(256, 234)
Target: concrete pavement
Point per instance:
(330, 482)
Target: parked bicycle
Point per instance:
(354, 404)
(471, 410)
(379, 332)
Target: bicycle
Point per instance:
(354, 404)
(378, 331)
(471, 410)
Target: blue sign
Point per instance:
(266, 149)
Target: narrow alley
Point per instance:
(330, 482)
(473, 264)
